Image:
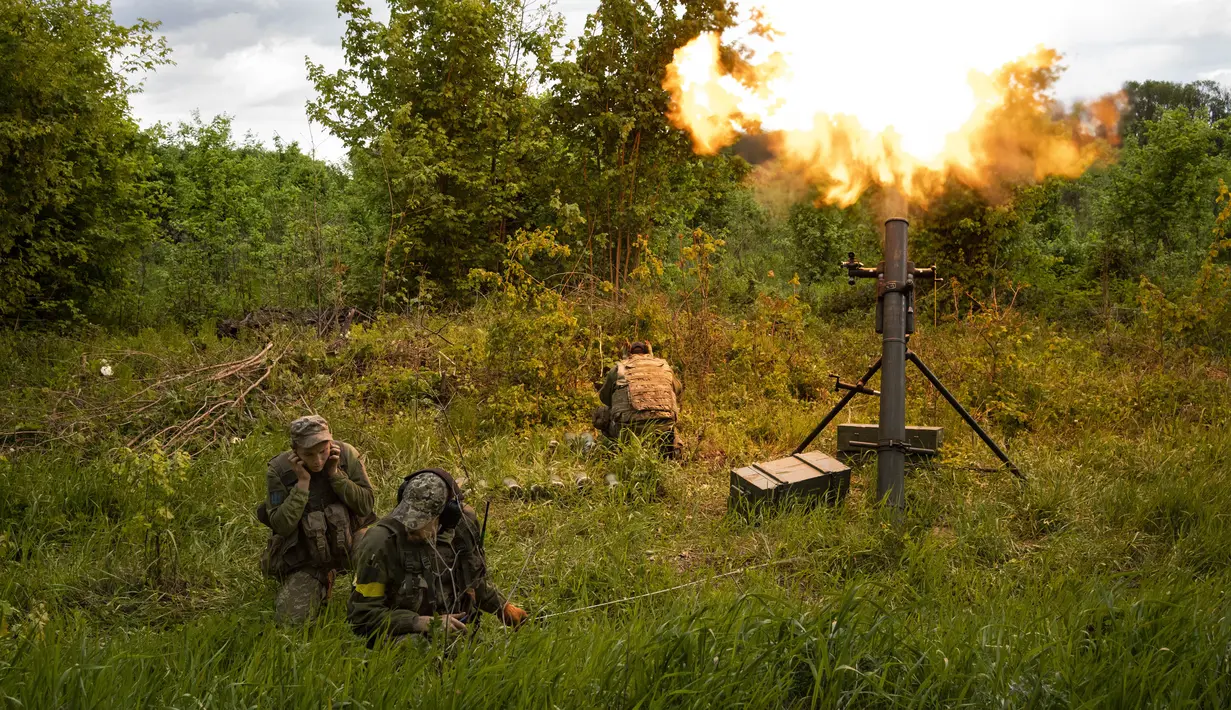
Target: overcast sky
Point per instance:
(245, 58)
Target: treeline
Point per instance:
(466, 123)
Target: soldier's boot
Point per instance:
(601, 419)
(328, 592)
(299, 598)
(672, 447)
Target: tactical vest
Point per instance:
(325, 530)
(430, 582)
(645, 389)
(459, 549)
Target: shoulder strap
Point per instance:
(386, 525)
(284, 472)
(344, 458)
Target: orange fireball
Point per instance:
(1015, 131)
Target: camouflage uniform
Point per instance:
(640, 395)
(402, 576)
(313, 531)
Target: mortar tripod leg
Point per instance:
(863, 381)
(931, 377)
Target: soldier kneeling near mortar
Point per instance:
(319, 500)
(423, 566)
(641, 395)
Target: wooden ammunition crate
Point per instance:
(920, 437)
(809, 478)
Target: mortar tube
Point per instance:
(891, 457)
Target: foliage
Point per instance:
(1082, 246)
(824, 235)
(1158, 206)
(770, 352)
(154, 478)
(1149, 100)
(470, 122)
(130, 397)
(983, 241)
(1201, 315)
(755, 244)
(442, 132)
(633, 176)
(243, 227)
(1101, 582)
(536, 348)
(73, 187)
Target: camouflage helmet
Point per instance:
(309, 431)
(422, 498)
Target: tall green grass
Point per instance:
(1058, 643)
(1099, 584)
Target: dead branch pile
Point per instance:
(193, 408)
(338, 319)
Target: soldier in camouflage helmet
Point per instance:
(640, 395)
(423, 566)
(319, 500)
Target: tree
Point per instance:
(633, 175)
(242, 226)
(983, 244)
(1156, 205)
(435, 109)
(1149, 100)
(73, 185)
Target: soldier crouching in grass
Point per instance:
(640, 395)
(422, 567)
(319, 500)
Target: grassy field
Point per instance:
(130, 577)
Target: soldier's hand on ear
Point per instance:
(303, 477)
(331, 463)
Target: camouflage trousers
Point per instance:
(302, 595)
(305, 591)
(661, 429)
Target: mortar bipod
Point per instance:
(861, 387)
(895, 321)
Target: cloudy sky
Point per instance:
(245, 58)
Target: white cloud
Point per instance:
(246, 57)
(263, 86)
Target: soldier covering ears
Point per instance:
(319, 500)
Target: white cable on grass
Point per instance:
(675, 588)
